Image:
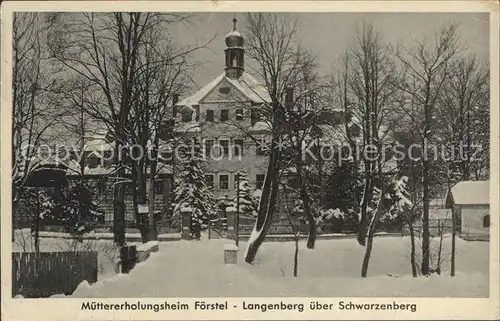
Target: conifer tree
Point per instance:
(192, 192)
(81, 207)
(248, 203)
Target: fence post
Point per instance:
(186, 223)
(231, 223)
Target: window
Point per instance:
(224, 115)
(159, 187)
(225, 146)
(239, 114)
(93, 161)
(260, 180)
(238, 147)
(209, 144)
(224, 182)
(187, 115)
(260, 147)
(254, 116)
(224, 90)
(486, 221)
(209, 181)
(209, 115)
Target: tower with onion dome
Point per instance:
(234, 53)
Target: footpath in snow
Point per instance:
(196, 269)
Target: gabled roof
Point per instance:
(471, 192)
(246, 84)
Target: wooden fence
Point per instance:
(47, 273)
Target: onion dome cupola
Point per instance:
(234, 53)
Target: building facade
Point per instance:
(224, 117)
(470, 201)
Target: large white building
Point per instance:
(224, 116)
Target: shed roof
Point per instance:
(471, 192)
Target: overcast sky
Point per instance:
(329, 34)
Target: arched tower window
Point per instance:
(486, 221)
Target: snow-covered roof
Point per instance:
(98, 144)
(471, 192)
(74, 169)
(246, 84)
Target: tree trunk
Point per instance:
(425, 220)
(15, 204)
(311, 238)
(119, 202)
(138, 217)
(37, 229)
(453, 233)
(369, 243)
(266, 209)
(152, 233)
(296, 256)
(142, 199)
(363, 220)
(152, 174)
(412, 253)
(371, 232)
(441, 232)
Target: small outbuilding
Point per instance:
(470, 202)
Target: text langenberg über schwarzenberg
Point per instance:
(261, 307)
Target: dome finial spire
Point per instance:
(234, 23)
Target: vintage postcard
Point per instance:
(250, 160)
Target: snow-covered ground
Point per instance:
(191, 268)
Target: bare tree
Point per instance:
(464, 101)
(372, 75)
(33, 104)
(427, 67)
(271, 46)
(104, 49)
(162, 77)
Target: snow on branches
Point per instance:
(247, 202)
(192, 192)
